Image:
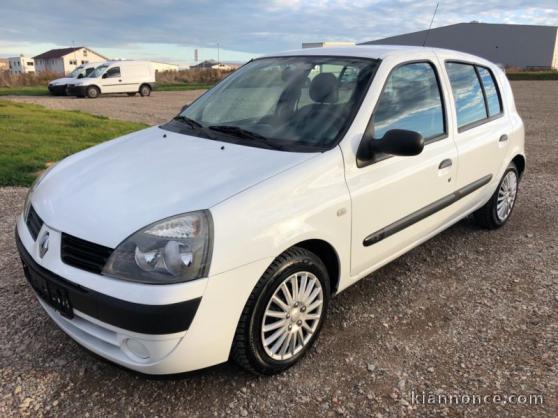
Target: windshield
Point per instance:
(302, 103)
(97, 72)
(76, 72)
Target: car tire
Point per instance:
(260, 350)
(496, 212)
(93, 92)
(145, 90)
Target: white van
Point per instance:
(117, 77)
(59, 87)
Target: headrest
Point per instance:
(324, 88)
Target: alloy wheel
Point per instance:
(292, 315)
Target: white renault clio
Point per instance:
(225, 232)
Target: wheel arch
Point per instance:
(519, 161)
(327, 253)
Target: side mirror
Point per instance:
(80, 76)
(184, 108)
(394, 142)
(104, 75)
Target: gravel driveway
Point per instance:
(157, 108)
(469, 312)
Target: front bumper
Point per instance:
(148, 328)
(58, 90)
(76, 90)
(135, 317)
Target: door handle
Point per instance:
(120, 81)
(503, 138)
(445, 163)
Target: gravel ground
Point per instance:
(469, 312)
(157, 108)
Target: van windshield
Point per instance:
(97, 72)
(76, 72)
(300, 103)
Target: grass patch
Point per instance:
(533, 75)
(24, 91)
(32, 136)
(183, 86)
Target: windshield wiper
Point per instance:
(244, 133)
(194, 124)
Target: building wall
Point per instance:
(21, 65)
(161, 66)
(511, 45)
(69, 62)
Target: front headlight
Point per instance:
(173, 250)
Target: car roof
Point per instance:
(401, 52)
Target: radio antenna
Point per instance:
(430, 27)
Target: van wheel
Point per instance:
(284, 314)
(496, 212)
(145, 90)
(93, 92)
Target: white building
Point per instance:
(524, 46)
(326, 44)
(65, 60)
(163, 66)
(21, 65)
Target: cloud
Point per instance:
(246, 25)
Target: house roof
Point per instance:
(61, 52)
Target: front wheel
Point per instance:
(93, 92)
(284, 314)
(496, 212)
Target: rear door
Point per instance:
(397, 201)
(481, 128)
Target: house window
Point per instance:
(30, 64)
(85, 52)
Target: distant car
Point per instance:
(129, 77)
(59, 87)
(225, 232)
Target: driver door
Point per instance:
(112, 81)
(393, 197)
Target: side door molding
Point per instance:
(425, 212)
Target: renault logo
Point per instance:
(43, 245)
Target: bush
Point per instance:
(194, 76)
(29, 79)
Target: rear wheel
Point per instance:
(93, 92)
(496, 212)
(284, 314)
(145, 90)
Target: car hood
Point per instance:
(64, 80)
(107, 192)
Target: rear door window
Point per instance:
(467, 93)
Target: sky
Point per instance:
(170, 30)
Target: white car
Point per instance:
(59, 87)
(225, 232)
(129, 77)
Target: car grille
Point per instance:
(83, 254)
(34, 223)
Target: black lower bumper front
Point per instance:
(59, 90)
(79, 91)
(65, 296)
